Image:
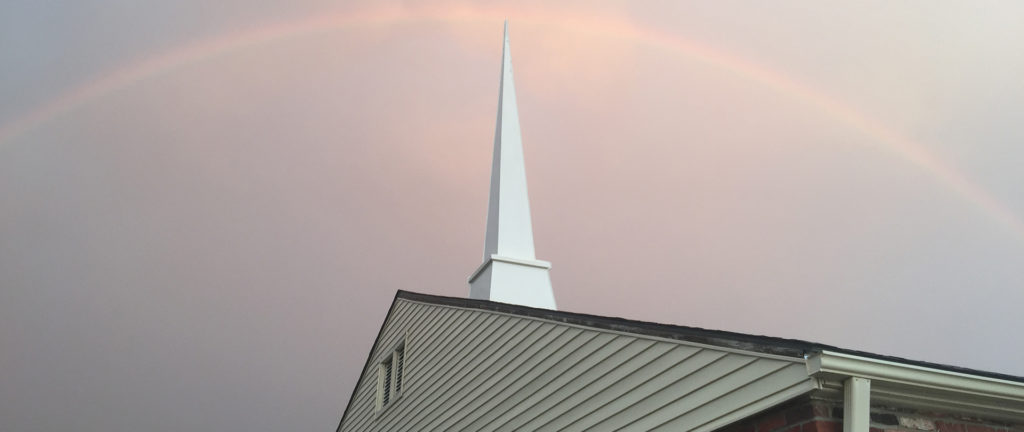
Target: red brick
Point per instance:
(822, 426)
(771, 422)
(980, 428)
(830, 426)
(943, 426)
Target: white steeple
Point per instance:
(510, 273)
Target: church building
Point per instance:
(505, 359)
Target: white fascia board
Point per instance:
(919, 385)
(828, 362)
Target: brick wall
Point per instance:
(801, 416)
(812, 415)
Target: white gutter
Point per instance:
(920, 386)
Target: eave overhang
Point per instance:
(915, 386)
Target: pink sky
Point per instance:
(205, 209)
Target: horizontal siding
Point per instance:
(465, 375)
(474, 370)
(439, 327)
(693, 392)
(570, 402)
(549, 386)
(741, 394)
(511, 380)
(625, 400)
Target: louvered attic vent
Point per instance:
(390, 374)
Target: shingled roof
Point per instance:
(726, 339)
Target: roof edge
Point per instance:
(727, 339)
(761, 344)
(834, 363)
(369, 358)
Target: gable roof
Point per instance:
(766, 345)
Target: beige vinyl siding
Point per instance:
(477, 370)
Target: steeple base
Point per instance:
(511, 280)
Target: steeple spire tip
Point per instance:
(510, 272)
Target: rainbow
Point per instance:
(885, 138)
